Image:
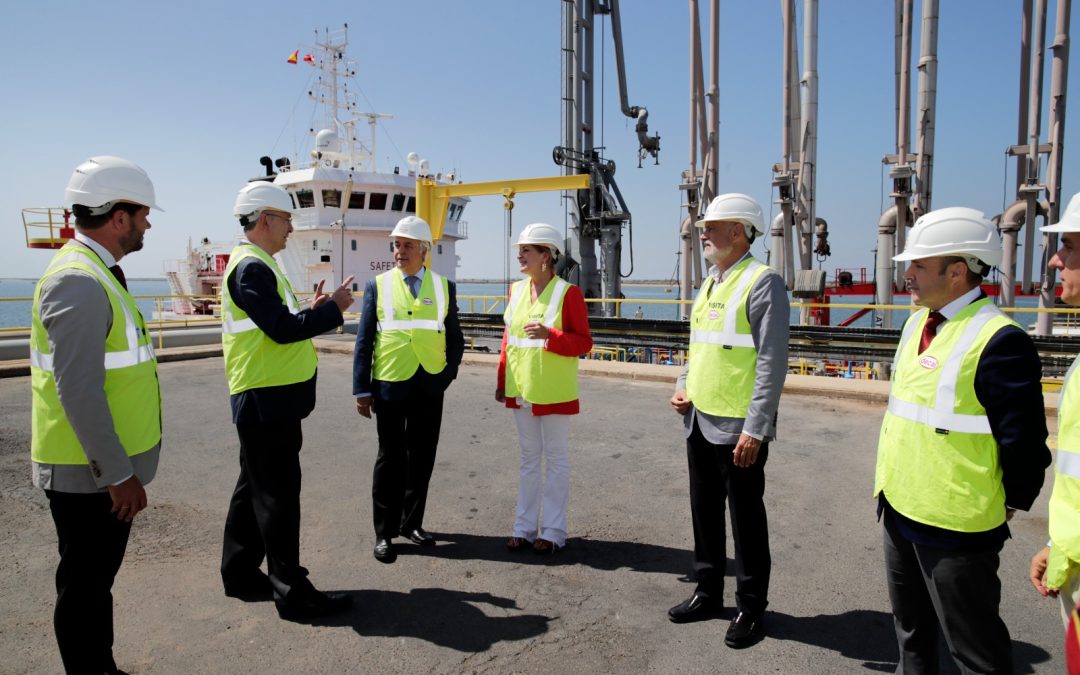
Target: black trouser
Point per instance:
(958, 589)
(408, 438)
(714, 478)
(92, 543)
(264, 513)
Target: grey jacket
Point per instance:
(769, 313)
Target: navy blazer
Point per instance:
(422, 382)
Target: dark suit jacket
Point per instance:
(421, 382)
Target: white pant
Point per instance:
(547, 437)
(1068, 597)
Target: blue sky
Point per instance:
(196, 92)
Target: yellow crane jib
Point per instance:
(433, 200)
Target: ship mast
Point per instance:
(335, 91)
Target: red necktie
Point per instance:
(119, 274)
(930, 329)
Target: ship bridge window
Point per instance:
(354, 244)
(377, 201)
(410, 207)
(305, 199)
(398, 203)
(357, 200)
(331, 198)
(453, 213)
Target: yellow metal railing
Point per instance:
(47, 227)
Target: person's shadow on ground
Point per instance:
(443, 617)
(595, 553)
(868, 636)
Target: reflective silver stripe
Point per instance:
(970, 424)
(715, 337)
(41, 360)
(440, 300)
(386, 294)
(515, 298)
(129, 358)
(942, 415)
(555, 302)
(905, 335)
(732, 314)
(525, 343)
(113, 360)
(232, 326)
(1068, 463)
(410, 324)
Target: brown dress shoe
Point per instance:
(543, 546)
(517, 544)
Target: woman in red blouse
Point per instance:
(547, 330)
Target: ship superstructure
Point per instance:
(345, 206)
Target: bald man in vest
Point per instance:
(728, 396)
(962, 446)
(96, 429)
(1055, 570)
(408, 349)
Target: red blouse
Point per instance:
(573, 340)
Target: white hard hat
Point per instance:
(260, 195)
(953, 231)
(412, 227)
(100, 181)
(541, 234)
(1069, 221)
(737, 207)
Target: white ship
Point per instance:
(345, 206)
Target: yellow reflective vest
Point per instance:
(532, 372)
(131, 381)
(410, 332)
(1064, 559)
(937, 459)
(723, 356)
(252, 359)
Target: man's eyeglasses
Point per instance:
(287, 219)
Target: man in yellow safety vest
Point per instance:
(271, 366)
(96, 430)
(408, 349)
(729, 396)
(962, 445)
(1055, 570)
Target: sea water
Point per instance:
(16, 313)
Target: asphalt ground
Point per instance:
(468, 605)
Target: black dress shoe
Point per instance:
(384, 551)
(250, 588)
(421, 537)
(312, 604)
(694, 608)
(746, 629)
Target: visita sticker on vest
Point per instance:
(713, 315)
(426, 301)
(928, 362)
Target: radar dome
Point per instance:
(327, 141)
